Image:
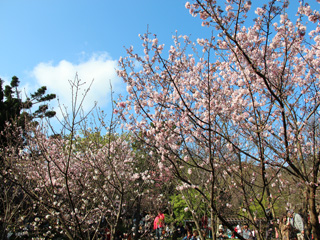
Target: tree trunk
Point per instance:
(213, 225)
(313, 213)
(137, 217)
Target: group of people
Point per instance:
(161, 229)
(245, 232)
(291, 227)
(192, 235)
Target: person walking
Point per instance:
(158, 224)
(296, 225)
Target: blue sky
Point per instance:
(46, 42)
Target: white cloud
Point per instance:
(100, 68)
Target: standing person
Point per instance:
(237, 230)
(221, 235)
(158, 224)
(284, 227)
(246, 233)
(195, 235)
(296, 223)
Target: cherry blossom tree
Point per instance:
(248, 98)
(80, 183)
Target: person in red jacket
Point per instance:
(158, 224)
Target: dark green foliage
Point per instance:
(12, 108)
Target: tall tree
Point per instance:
(244, 101)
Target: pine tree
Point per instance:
(14, 109)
